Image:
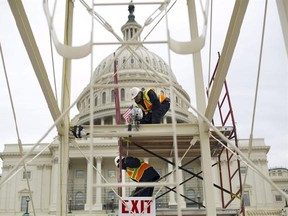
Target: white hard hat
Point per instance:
(134, 91)
(117, 161)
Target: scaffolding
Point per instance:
(195, 140)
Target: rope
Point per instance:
(256, 92)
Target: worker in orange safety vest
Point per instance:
(139, 171)
(154, 106)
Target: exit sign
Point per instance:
(137, 206)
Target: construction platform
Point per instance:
(160, 138)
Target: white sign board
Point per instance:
(136, 206)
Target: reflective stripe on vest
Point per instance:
(137, 173)
(147, 101)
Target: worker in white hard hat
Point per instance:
(139, 171)
(154, 106)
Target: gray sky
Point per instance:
(33, 116)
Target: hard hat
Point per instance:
(134, 91)
(117, 161)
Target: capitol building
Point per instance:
(135, 66)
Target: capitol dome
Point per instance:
(136, 65)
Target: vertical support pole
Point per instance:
(116, 94)
(64, 144)
(203, 129)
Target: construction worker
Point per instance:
(154, 106)
(139, 171)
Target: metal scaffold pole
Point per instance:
(64, 145)
(203, 128)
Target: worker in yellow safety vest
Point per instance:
(139, 171)
(154, 106)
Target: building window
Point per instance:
(154, 63)
(243, 170)
(160, 202)
(110, 195)
(279, 173)
(79, 198)
(147, 60)
(88, 105)
(278, 198)
(112, 96)
(122, 94)
(27, 175)
(111, 173)
(24, 203)
(96, 101)
(190, 193)
(79, 174)
(104, 98)
(246, 198)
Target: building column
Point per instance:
(98, 204)
(54, 185)
(216, 176)
(171, 201)
(89, 191)
(102, 121)
(181, 188)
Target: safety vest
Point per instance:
(137, 173)
(147, 101)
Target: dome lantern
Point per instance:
(131, 27)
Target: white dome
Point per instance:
(140, 59)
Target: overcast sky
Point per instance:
(34, 119)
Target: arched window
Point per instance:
(112, 96)
(96, 101)
(154, 63)
(88, 103)
(104, 98)
(122, 94)
(147, 60)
